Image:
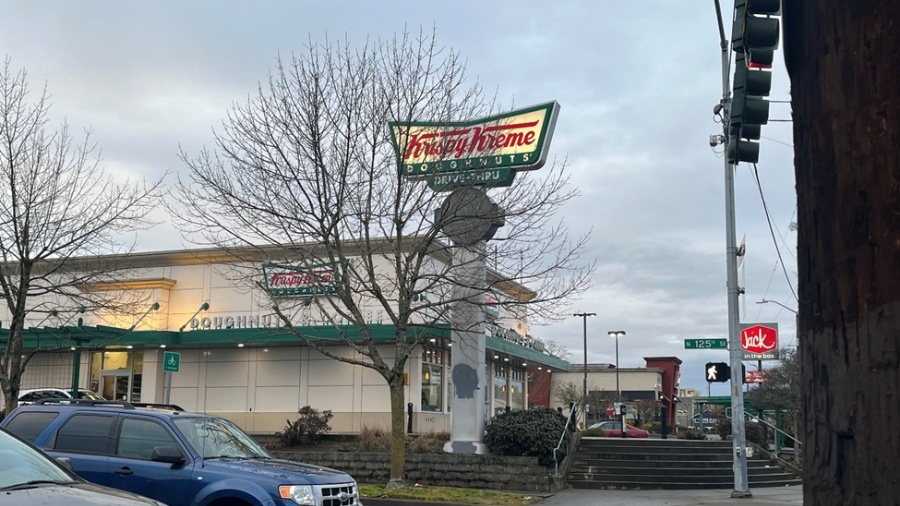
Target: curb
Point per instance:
(371, 501)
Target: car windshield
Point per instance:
(21, 464)
(87, 394)
(218, 438)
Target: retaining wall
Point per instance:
(446, 470)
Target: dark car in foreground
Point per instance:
(614, 429)
(27, 476)
(174, 456)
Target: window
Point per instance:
(29, 426)
(500, 388)
(517, 390)
(85, 434)
(218, 438)
(138, 438)
(432, 374)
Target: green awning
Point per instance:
(101, 336)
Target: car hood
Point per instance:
(279, 469)
(76, 494)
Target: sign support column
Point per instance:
(468, 355)
(469, 219)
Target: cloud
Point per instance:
(636, 82)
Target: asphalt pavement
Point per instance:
(771, 496)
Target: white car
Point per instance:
(32, 395)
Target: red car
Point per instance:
(614, 429)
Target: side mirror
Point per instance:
(65, 462)
(168, 454)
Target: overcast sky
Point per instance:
(636, 81)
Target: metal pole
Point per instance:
(741, 488)
(168, 386)
(584, 333)
(618, 390)
(584, 317)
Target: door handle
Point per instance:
(124, 470)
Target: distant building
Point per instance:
(649, 392)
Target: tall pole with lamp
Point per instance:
(584, 317)
(615, 334)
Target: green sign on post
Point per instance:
(706, 344)
(171, 361)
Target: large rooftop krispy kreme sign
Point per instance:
(517, 139)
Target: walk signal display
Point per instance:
(717, 372)
(720, 372)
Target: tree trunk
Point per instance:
(398, 435)
(845, 76)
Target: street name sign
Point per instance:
(706, 344)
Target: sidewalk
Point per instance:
(774, 496)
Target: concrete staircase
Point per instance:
(613, 463)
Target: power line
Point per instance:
(777, 141)
(772, 231)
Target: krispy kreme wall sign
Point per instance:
(516, 140)
(289, 280)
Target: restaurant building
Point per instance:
(235, 359)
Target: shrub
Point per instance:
(692, 434)
(378, 440)
(654, 427)
(374, 440)
(533, 433)
(307, 429)
(593, 433)
(430, 442)
(753, 432)
(723, 428)
(756, 433)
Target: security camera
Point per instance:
(717, 109)
(713, 140)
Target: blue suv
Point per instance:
(174, 456)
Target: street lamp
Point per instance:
(796, 318)
(616, 334)
(584, 317)
(767, 301)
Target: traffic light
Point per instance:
(717, 372)
(754, 37)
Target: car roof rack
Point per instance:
(153, 405)
(106, 404)
(83, 402)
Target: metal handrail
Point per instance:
(572, 419)
(758, 419)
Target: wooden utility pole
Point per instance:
(844, 63)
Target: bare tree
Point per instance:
(842, 60)
(781, 390)
(56, 204)
(557, 349)
(307, 165)
(644, 409)
(569, 392)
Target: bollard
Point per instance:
(409, 412)
(665, 425)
